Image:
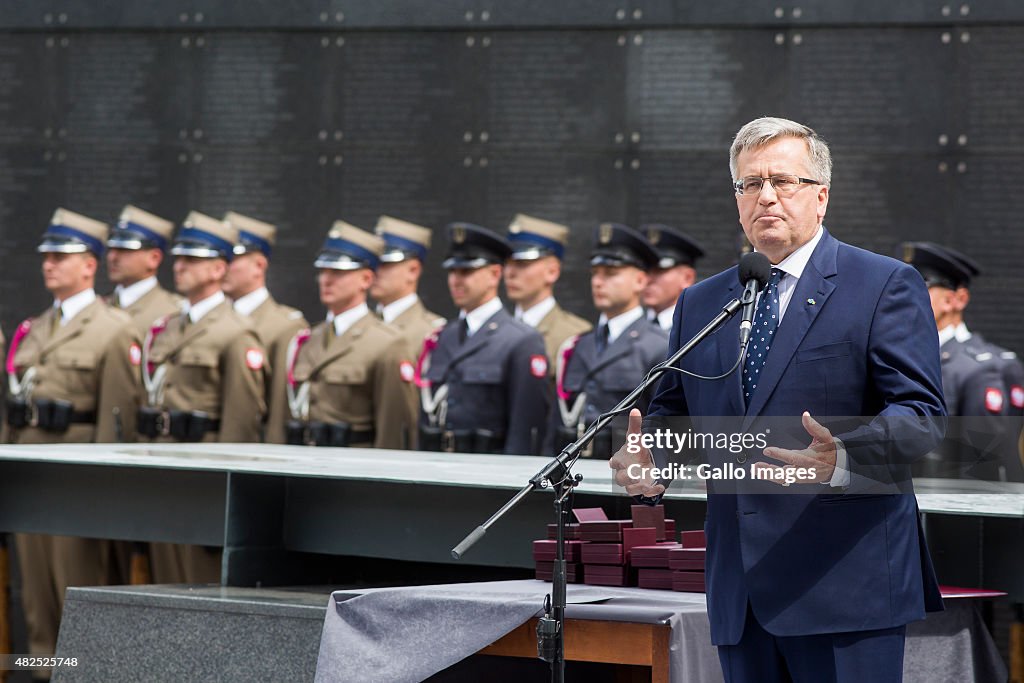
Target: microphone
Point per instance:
(754, 272)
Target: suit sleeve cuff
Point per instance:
(841, 474)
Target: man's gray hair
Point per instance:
(763, 131)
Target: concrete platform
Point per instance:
(199, 633)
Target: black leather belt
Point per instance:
(180, 425)
(52, 415)
(329, 434)
(460, 440)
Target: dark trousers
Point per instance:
(852, 657)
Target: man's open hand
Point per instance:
(819, 458)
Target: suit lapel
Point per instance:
(728, 341)
(618, 348)
(343, 345)
(479, 339)
(73, 327)
(814, 285)
(195, 330)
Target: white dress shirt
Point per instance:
(346, 319)
(619, 324)
(245, 305)
(74, 305)
(199, 309)
(397, 308)
(126, 296)
(476, 318)
(533, 315)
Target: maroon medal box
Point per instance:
(652, 555)
(690, 559)
(688, 582)
(660, 579)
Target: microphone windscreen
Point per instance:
(755, 266)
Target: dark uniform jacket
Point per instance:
(978, 441)
(606, 378)
(275, 325)
(497, 382)
(1013, 373)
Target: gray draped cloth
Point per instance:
(405, 635)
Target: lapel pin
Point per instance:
(811, 301)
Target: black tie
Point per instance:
(602, 338)
(463, 330)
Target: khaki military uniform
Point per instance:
(357, 379)
(414, 324)
(275, 325)
(215, 366)
(151, 306)
(92, 362)
(557, 326)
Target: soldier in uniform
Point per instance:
(74, 380)
(603, 366)
(538, 247)
(1009, 363)
(1013, 370)
(203, 374)
(398, 277)
(676, 270)
(246, 285)
(483, 377)
(348, 377)
(135, 250)
(978, 439)
(398, 304)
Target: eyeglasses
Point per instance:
(785, 185)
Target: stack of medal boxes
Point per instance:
(641, 551)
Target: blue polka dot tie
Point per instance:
(766, 321)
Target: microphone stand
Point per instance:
(550, 628)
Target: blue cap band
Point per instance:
(554, 246)
(154, 237)
(397, 242)
(95, 246)
(255, 240)
(197, 235)
(352, 249)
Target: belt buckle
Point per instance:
(163, 423)
(448, 441)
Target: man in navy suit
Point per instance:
(818, 584)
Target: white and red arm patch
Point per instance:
(407, 371)
(994, 400)
(1017, 396)
(254, 358)
(539, 365)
